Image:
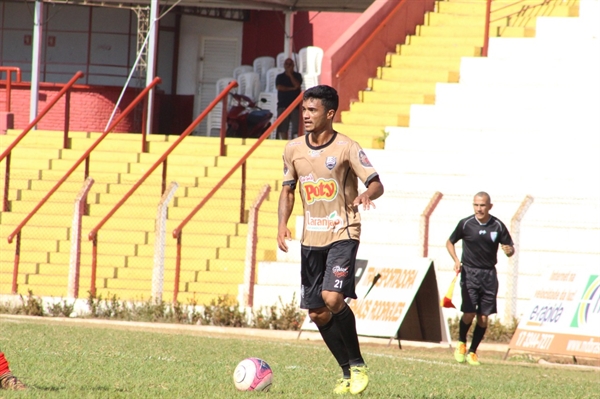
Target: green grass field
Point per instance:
(79, 360)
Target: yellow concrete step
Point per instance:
(385, 108)
(25, 163)
(253, 162)
(375, 119)
(101, 177)
(101, 156)
(260, 152)
(59, 291)
(263, 243)
(206, 215)
(465, 41)
(450, 63)
(407, 74)
(452, 7)
(196, 228)
(187, 263)
(226, 265)
(94, 167)
(240, 254)
(401, 87)
(215, 277)
(179, 159)
(15, 218)
(133, 273)
(20, 152)
(209, 148)
(389, 98)
(439, 50)
(439, 19)
(6, 270)
(107, 260)
(189, 251)
(117, 222)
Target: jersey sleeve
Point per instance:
(361, 165)
(290, 177)
(505, 238)
(457, 234)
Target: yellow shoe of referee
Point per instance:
(460, 351)
(472, 359)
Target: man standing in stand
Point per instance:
(288, 86)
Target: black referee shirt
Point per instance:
(480, 241)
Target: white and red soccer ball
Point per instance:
(252, 374)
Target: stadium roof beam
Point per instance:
(281, 5)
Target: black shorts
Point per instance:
(479, 288)
(329, 268)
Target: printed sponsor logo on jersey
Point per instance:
(320, 190)
(322, 224)
(493, 235)
(285, 167)
(315, 153)
(340, 272)
(330, 162)
(293, 143)
(304, 179)
(342, 142)
(482, 232)
(364, 161)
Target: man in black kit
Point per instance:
(481, 233)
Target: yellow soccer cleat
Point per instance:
(360, 379)
(460, 351)
(472, 359)
(342, 387)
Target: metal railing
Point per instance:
(488, 18)
(93, 235)
(178, 232)
(85, 157)
(9, 71)
(7, 152)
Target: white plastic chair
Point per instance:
(214, 117)
(249, 85)
(261, 66)
(242, 69)
(310, 59)
(281, 57)
(271, 78)
(310, 80)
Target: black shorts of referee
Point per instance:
(479, 289)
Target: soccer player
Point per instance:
(7, 379)
(328, 165)
(481, 233)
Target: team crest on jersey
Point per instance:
(493, 235)
(315, 153)
(320, 190)
(364, 161)
(322, 224)
(330, 162)
(285, 167)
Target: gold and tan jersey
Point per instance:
(328, 186)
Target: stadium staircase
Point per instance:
(214, 242)
(522, 121)
(410, 74)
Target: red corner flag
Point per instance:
(446, 302)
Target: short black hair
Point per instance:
(327, 94)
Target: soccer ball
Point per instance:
(252, 374)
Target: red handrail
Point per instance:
(85, 157)
(93, 235)
(9, 71)
(369, 39)
(177, 233)
(7, 151)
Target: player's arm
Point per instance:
(452, 251)
(374, 191)
(286, 205)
